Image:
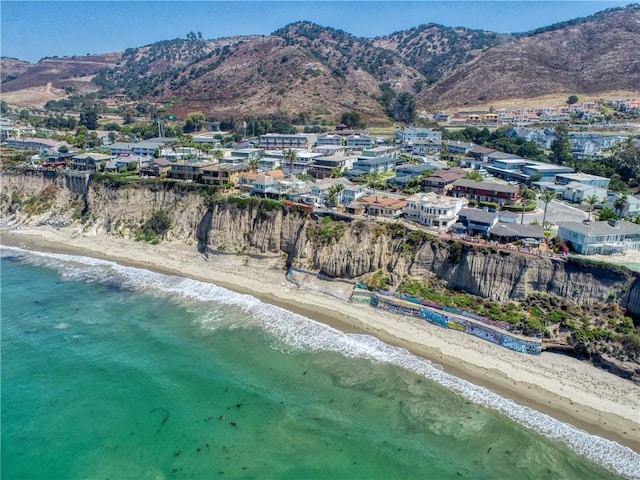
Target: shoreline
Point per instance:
(562, 387)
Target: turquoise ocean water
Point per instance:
(111, 372)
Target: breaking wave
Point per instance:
(291, 332)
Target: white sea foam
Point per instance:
(294, 332)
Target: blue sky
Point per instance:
(31, 30)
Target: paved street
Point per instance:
(557, 212)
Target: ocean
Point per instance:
(113, 372)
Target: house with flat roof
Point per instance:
(583, 178)
(330, 139)
(409, 135)
(187, 171)
(614, 236)
(89, 161)
(277, 141)
(433, 210)
(371, 165)
(486, 191)
(358, 141)
(222, 174)
(324, 166)
(578, 192)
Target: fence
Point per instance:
(480, 327)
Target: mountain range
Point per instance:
(309, 71)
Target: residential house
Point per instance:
(513, 232)
(460, 148)
(330, 139)
(614, 236)
(187, 171)
(631, 206)
(330, 150)
(477, 221)
(277, 141)
(583, 178)
(377, 152)
(578, 192)
(321, 191)
(323, 167)
(268, 163)
(433, 210)
(389, 207)
(40, 144)
(371, 166)
(145, 147)
(442, 181)
(261, 184)
(302, 164)
(358, 142)
(354, 192)
(89, 161)
(408, 136)
(486, 191)
(480, 153)
(408, 172)
(223, 174)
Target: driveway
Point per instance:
(556, 212)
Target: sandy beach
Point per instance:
(569, 390)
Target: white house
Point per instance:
(614, 236)
(434, 210)
(578, 192)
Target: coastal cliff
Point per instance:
(323, 245)
(349, 249)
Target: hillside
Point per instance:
(307, 71)
(593, 56)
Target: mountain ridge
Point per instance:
(310, 71)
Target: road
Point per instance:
(556, 212)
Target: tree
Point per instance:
(607, 214)
(572, 99)
(290, 156)
(620, 204)
(561, 146)
(351, 120)
(474, 175)
(373, 179)
(4, 108)
(546, 198)
(89, 118)
(591, 201)
(254, 163)
(194, 122)
(403, 108)
(527, 195)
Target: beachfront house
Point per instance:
(614, 236)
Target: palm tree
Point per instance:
(254, 163)
(620, 204)
(546, 198)
(527, 194)
(592, 200)
(290, 155)
(373, 179)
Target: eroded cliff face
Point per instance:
(336, 249)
